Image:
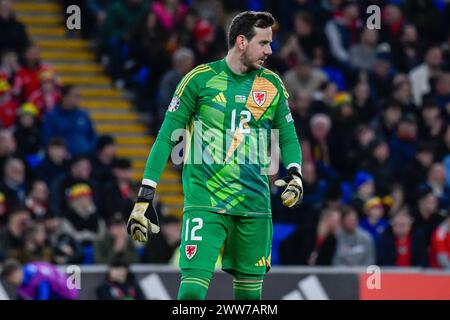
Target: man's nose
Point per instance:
(268, 51)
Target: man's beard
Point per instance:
(249, 64)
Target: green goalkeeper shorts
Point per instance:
(247, 243)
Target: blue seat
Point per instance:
(280, 232)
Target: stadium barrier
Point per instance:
(288, 283)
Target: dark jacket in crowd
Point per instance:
(387, 251)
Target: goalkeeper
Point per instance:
(228, 103)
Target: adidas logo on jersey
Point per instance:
(220, 98)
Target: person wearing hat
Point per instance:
(8, 106)
(27, 129)
(115, 243)
(373, 220)
(47, 96)
(81, 219)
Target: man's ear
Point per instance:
(241, 42)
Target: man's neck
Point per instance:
(234, 62)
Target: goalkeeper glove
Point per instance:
(292, 196)
(144, 217)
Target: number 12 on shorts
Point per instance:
(197, 225)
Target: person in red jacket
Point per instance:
(48, 95)
(440, 246)
(8, 107)
(27, 78)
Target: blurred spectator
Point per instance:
(379, 166)
(47, 96)
(169, 13)
(27, 129)
(415, 172)
(9, 65)
(205, 46)
(354, 246)
(437, 180)
(95, 15)
(303, 75)
(395, 200)
(440, 246)
(392, 21)
(373, 220)
(8, 148)
(343, 31)
(162, 246)
(345, 123)
(54, 163)
(71, 123)
(381, 76)
(425, 15)
(426, 214)
(210, 10)
(121, 17)
(363, 102)
(38, 281)
(422, 75)
(387, 123)
(35, 246)
(8, 106)
(402, 245)
(120, 284)
(118, 195)
(306, 42)
(182, 62)
(27, 78)
(441, 91)
(13, 234)
(364, 189)
(407, 49)
(402, 93)
(404, 142)
(320, 125)
(82, 220)
(324, 98)
(65, 249)
(432, 124)
(312, 246)
(37, 199)
(301, 113)
(13, 183)
(79, 172)
(106, 151)
(315, 190)
(115, 244)
(363, 54)
(14, 35)
(150, 51)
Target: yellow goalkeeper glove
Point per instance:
(144, 217)
(292, 196)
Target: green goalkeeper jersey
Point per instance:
(227, 119)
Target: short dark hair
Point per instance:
(245, 22)
(9, 267)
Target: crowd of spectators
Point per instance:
(371, 108)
